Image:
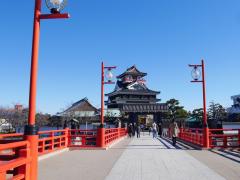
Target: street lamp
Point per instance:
(31, 130)
(109, 80)
(56, 6)
(198, 76)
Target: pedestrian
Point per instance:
(130, 129)
(174, 130)
(160, 130)
(138, 130)
(142, 128)
(154, 129)
(150, 130)
(133, 129)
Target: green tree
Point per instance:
(198, 114)
(175, 110)
(216, 114)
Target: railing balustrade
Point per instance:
(218, 138)
(15, 153)
(15, 165)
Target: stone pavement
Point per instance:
(141, 159)
(153, 159)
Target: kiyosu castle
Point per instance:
(134, 99)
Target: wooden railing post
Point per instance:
(52, 140)
(25, 169)
(67, 137)
(225, 141)
(210, 139)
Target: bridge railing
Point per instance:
(113, 134)
(15, 165)
(15, 153)
(224, 138)
(218, 138)
(50, 141)
(192, 135)
(82, 138)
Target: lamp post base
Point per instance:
(101, 137)
(206, 138)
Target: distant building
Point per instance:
(82, 110)
(235, 109)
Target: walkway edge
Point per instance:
(46, 156)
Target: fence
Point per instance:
(194, 136)
(15, 165)
(224, 138)
(15, 153)
(218, 138)
(82, 138)
(50, 141)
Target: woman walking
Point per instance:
(174, 131)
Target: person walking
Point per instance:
(134, 128)
(174, 132)
(130, 129)
(154, 128)
(138, 130)
(160, 130)
(142, 128)
(150, 130)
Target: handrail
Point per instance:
(10, 135)
(222, 139)
(54, 140)
(13, 145)
(19, 164)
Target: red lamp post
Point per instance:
(196, 73)
(31, 130)
(109, 75)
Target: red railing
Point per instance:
(221, 138)
(82, 138)
(15, 152)
(194, 136)
(224, 138)
(15, 165)
(114, 134)
(50, 141)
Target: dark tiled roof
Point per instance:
(143, 108)
(137, 92)
(79, 104)
(132, 71)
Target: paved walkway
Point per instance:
(151, 159)
(141, 159)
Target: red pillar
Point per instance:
(31, 131)
(101, 130)
(102, 95)
(101, 137)
(205, 124)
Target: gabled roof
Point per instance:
(132, 71)
(82, 105)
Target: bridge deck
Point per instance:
(142, 159)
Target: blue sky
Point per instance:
(161, 37)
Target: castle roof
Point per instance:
(132, 71)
